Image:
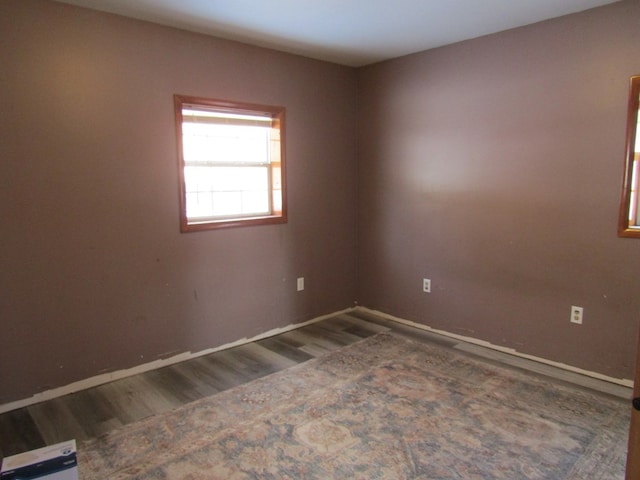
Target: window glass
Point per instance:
(231, 163)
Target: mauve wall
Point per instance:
(493, 167)
(94, 273)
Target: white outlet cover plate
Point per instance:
(576, 314)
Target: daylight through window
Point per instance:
(231, 163)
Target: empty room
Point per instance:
(324, 239)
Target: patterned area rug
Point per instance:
(383, 408)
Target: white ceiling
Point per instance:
(349, 32)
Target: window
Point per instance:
(231, 158)
(629, 217)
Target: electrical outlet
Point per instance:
(426, 285)
(576, 314)
(300, 284)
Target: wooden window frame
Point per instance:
(276, 170)
(627, 227)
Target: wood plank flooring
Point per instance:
(93, 412)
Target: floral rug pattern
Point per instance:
(383, 408)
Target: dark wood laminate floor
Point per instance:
(90, 413)
(93, 412)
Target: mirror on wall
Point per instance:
(629, 221)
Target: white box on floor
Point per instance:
(55, 462)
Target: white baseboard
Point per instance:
(120, 374)
(617, 381)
